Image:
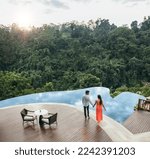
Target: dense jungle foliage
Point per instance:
(74, 55)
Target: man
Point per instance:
(85, 101)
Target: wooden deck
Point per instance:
(72, 127)
(138, 122)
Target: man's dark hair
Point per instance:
(87, 92)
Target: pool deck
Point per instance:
(72, 127)
(139, 124)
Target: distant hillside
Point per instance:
(72, 56)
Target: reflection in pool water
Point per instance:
(118, 108)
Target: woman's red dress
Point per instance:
(99, 115)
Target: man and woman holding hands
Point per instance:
(99, 106)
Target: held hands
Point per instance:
(104, 108)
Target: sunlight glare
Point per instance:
(24, 20)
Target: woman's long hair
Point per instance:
(100, 98)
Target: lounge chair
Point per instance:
(48, 119)
(27, 116)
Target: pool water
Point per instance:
(118, 108)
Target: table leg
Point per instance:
(37, 118)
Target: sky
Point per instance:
(38, 12)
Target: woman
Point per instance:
(99, 105)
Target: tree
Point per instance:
(87, 80)
(49, 86)
(12, 84)
(134, 26)
(72, 56)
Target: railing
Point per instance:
(144, 104)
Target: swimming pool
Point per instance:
(118, 108)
